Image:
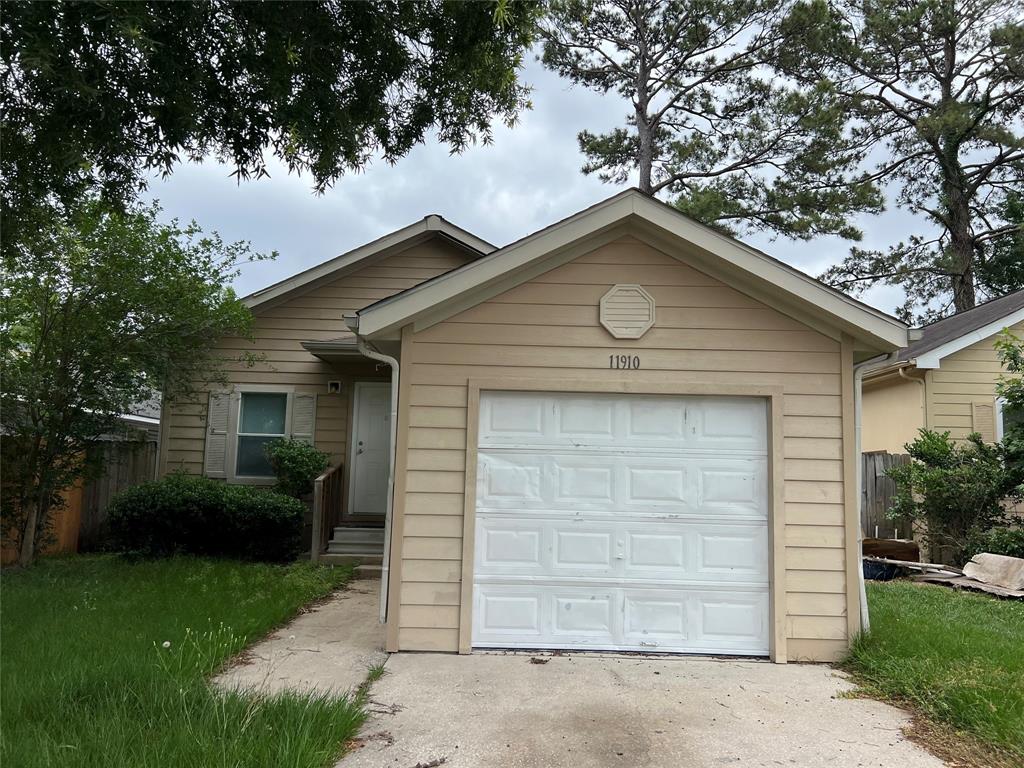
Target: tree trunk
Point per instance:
(960, 252)
(28, 536)
(645, 159)
(644, 128)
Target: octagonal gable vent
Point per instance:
(627, 311)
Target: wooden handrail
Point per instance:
(326, 508)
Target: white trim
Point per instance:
(357, 387)
(234, 412)
(933, 357)
(386, 317)
(235, 418)
(1000, 402)
(405, 237)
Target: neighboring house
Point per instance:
(625, 431)
(945, 381)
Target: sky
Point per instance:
(528, 178)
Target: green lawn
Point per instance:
(955, 657)
(86, 679)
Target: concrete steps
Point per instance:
(363, 547)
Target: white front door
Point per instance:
(622, 522)
(368, 454)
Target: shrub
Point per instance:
(195, 515)
(999, 541)
(296, 465)
(957, 490)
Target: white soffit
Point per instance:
(876, 329)
(933, 357)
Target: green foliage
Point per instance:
(106, 93)
(935, 90)
(998, 541)
(1010, 389)
(953, 657)
(186, 514)
(296, 465)
(711, 126)
(100, 309)
(86, 679)
(957, 490)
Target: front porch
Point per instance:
(350, 497)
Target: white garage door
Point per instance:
(622, 522)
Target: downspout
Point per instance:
(859, 369)
(902, 371)
(367, 350)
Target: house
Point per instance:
(945, 381)
(625, 431)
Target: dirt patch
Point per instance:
(958, 749)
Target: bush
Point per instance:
(185, 514)
(296, 465)
(957, 490)
(999, 541)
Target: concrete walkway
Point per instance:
(504, 711)
(329, 648)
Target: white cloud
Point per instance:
(528, 178)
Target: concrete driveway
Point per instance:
(579, 711)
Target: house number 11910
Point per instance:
(624, 362)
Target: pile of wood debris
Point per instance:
(995, 574)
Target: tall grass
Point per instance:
(955, 657)
(105, 662)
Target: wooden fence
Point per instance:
(123, 464)
(877, 491)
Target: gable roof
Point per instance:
(944, 337)
(745, 269)
(406, 237)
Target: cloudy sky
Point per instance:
(528, 178)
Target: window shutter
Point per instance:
(983, 419)
(216, 458)
(303, 417)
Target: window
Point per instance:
(1007, 418)
(262, 418)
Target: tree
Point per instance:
(957, 490)
(1010, 390)
(935, 91)
(99, 310)
(709, 124)
(104, 93)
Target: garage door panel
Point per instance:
(510, 417)
(508, 613)
(617, 618)
(733, 553)
(645, 421)
(736, 621)
(513, 546)
(584, 613)
(622, 522)
(684, 484)
(731, 487)
(578, 551)
(583, 419)
(674, 552)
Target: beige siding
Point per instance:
(893, 412)
(278, 331)
(548, 328)
(965, 378)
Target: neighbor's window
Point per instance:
(1007, 418)
(261, 419)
